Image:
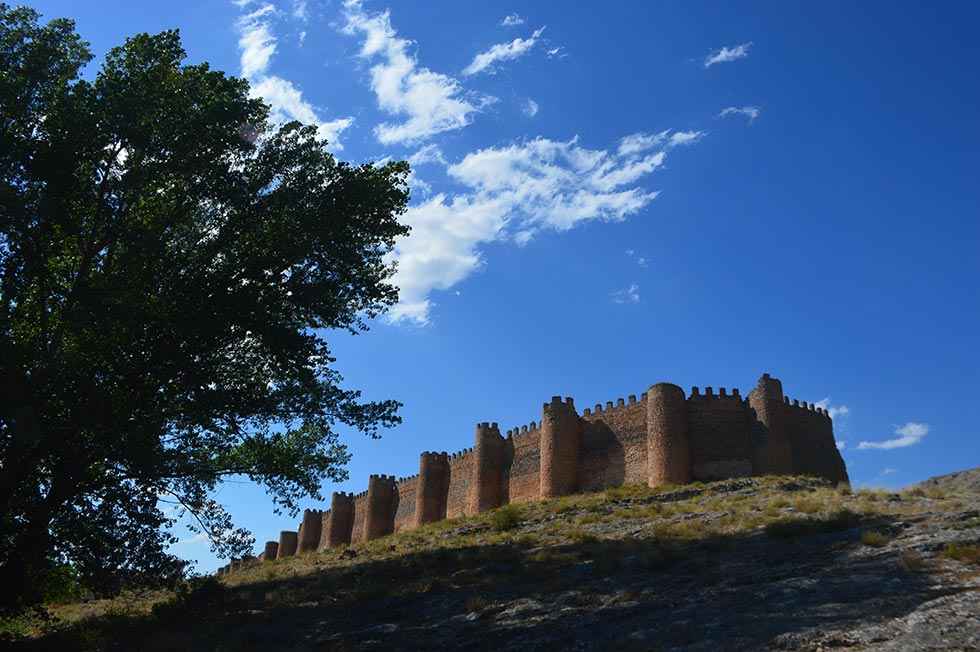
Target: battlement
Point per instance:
(657, 436)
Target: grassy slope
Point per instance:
(595, 547)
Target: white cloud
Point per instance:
(628, 295)
(484, 61)
(726, 54)
(530, 108)
(640, 260)
(428, 154)
(258, 44)
(557, 53)
(909, 434)
(511, 193)
(430, 102)
(888, 471)
(302, 38)
(200, 537)
(751, 112)
(833, 410)
(512, 20)
(841, 444)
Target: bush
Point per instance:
(507, 517)
(198, 595)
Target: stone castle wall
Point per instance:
(662, 437)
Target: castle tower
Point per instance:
(338, 523)
(561, 437)
(380, 517)
(271, 550)
(668, 443)
(485, 485)
(774, 455)
(287, 544)
(309, 531)
(433, 488)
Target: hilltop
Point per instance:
(773, 562)
(967, 482)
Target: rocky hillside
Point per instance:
(761, 563)
(964, 482)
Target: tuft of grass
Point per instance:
(966, 553)
(476, 603)
(875, 538)
(506, 518)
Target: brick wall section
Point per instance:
(433, 487)
(720, 431)
(614, 445)
(309, 531)
(405, 503)
(521, 480)
(662, 437)
(460, 472)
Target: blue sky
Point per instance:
(607, 195)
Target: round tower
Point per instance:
(485, 486)
(380, 517)
(774, 454)
(287, 544)
(668, 445)
(338, 523)
(271, 550)
(309, 531)
(561, 436)
(432, 489)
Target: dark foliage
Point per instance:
(168, 264)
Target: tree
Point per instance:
(169, 263)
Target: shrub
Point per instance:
(794, 527)
(911, 561)
(874, 538)
(966, 553)
(507, 517)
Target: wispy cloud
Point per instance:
(257, 44)
(512, 20)
(530, 108)
(888, 471)
(197, 538)
(751, 112)
(511, 194)
(908, 434)
(726, 54)
(485, 61)
(833, 410)
(429, 102)
(627, 295)
(841, 444)
(640, 260)
(642, 141)
(557, 52)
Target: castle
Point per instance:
(664, 437)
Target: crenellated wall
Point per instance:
(661, 437)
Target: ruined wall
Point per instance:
(522, 464)
(614, 444)
(460, 470)
(405, 503)
(720, 431)
(811, 436)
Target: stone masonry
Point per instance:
(664, 437)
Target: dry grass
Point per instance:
(875, 538)
(963, 552)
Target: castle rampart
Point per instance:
(658, 437)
